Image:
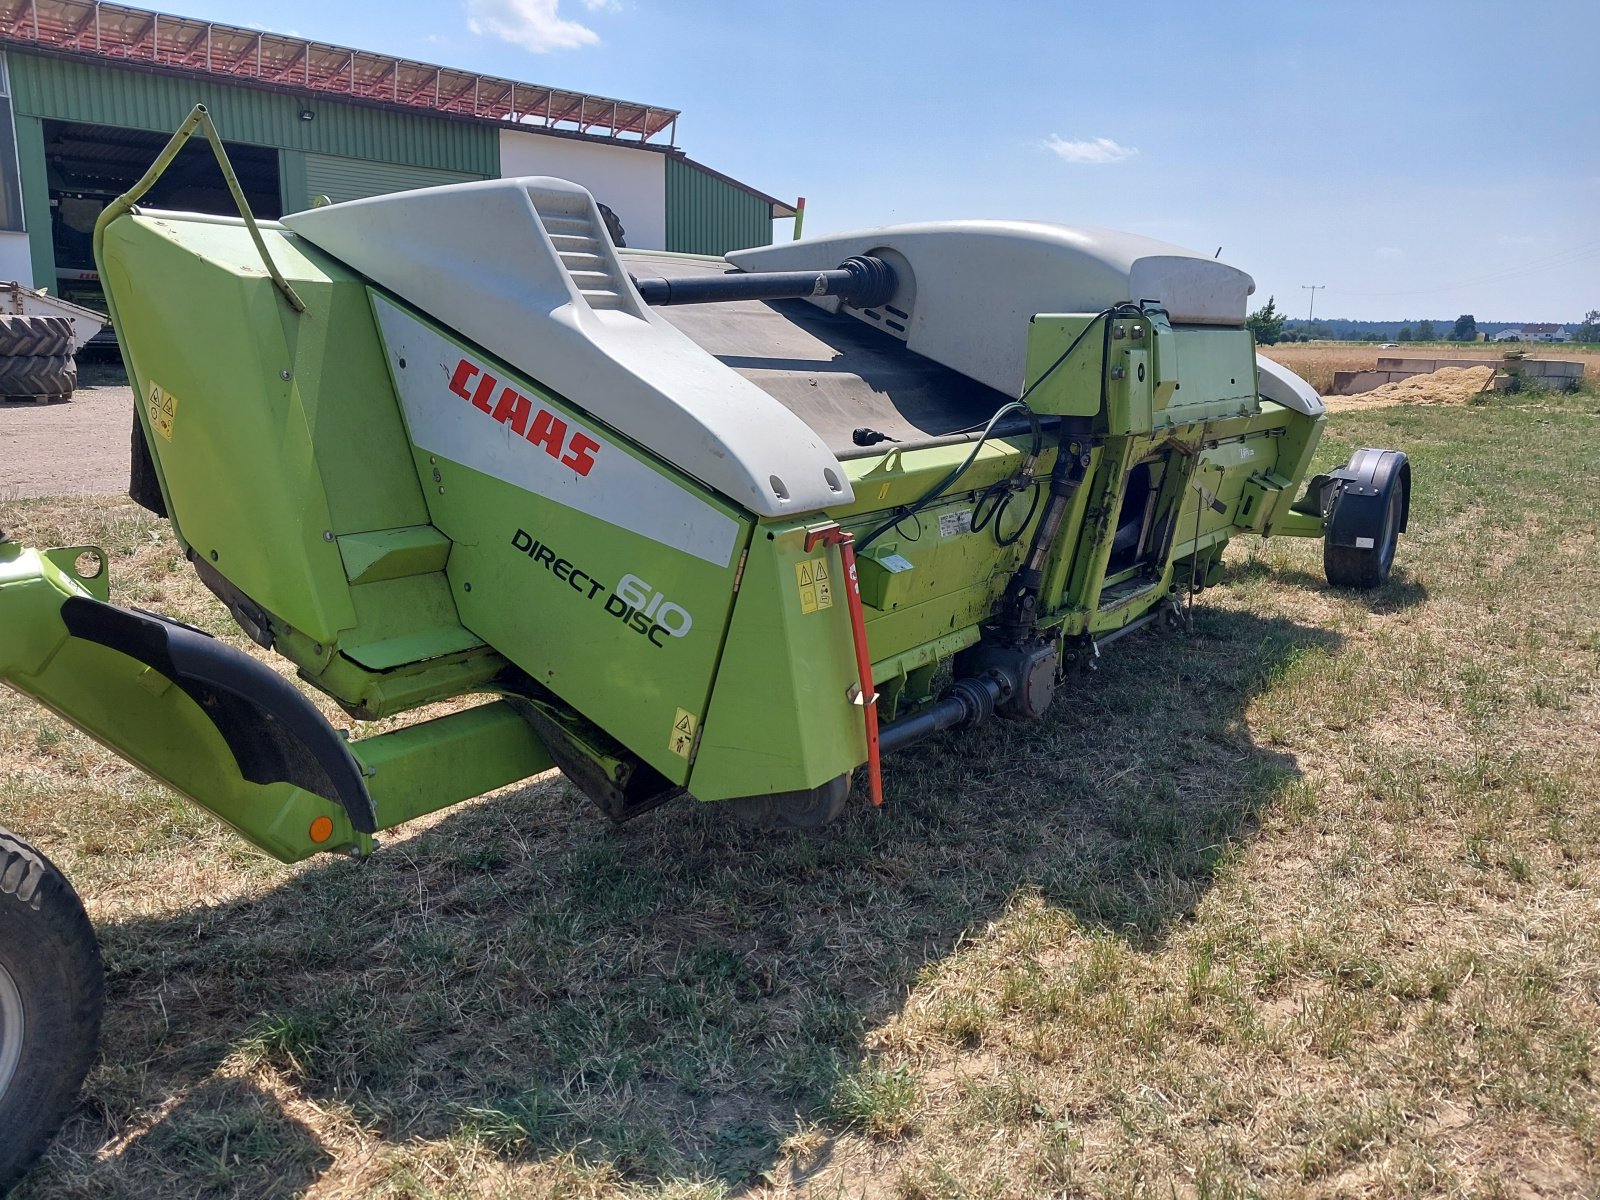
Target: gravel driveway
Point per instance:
(78, 447)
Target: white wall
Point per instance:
(632, 182)
(15, 261)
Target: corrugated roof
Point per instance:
(168, 42)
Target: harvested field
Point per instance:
(1316, 362)
(1301, 904)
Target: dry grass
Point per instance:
(1302, 904)
(1316, 362)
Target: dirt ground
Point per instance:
(78, 447)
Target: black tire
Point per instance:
(38, 375)
(614, 227)
(809, 809)
(1366, 568)
(31, 337)
(51, 996)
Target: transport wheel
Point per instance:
(809, 809)
(31, 337)
(1367, 567)
(38, 375)
(51, 995)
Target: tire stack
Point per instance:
(36, 360)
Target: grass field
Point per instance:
(1317, 361)
(1304, 903)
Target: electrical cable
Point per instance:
(1002, 494)
(1126, 307)
(916, 506)
(1103, 315)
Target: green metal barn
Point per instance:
(92, 90)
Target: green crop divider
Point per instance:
(198, 118)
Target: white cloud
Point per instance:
(603, 5)
(532, 24)
(1096, 150)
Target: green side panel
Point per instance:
(283, 431)
(782, 717)
(36, 198)
(341, 179)
(707, 215)
(564, 594)
(1061, 379)
(103, 94)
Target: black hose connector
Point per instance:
(873, 281)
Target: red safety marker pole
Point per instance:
(832, 535)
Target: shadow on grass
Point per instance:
(665, 997)
(1402, 591)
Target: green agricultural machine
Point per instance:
(725, 529)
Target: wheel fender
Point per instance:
(1365, 484)
(275, 733)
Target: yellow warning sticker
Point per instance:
(682, 740)
(162, 408)
(815, 583)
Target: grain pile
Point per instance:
(1447, 385)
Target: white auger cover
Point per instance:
(524, 268)
(967, 289)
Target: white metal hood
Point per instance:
(967, 289)
(525, 269)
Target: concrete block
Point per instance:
(1353, 383)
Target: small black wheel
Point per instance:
(1367, 567)
(51, 996)
(811, 808)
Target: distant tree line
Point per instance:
(1270, 325)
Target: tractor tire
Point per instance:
(1365, 568)
(614, 227)
(33, 337)
(51, 997)
(38, 375)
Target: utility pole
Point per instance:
(1313, 288)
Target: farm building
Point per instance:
(1534, 333)
(89, 92)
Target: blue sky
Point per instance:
(1419, 159)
